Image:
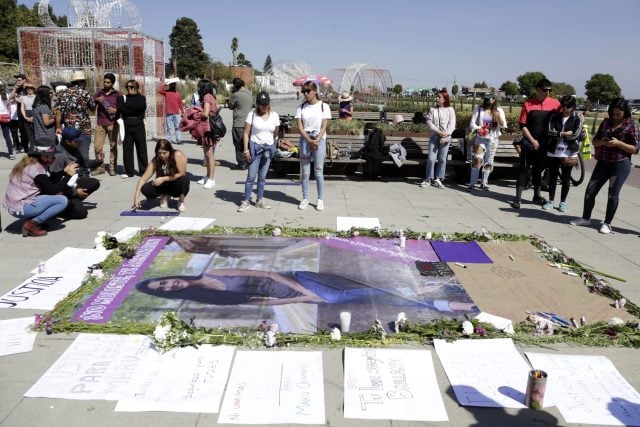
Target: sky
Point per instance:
(423, 43)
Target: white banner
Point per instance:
(391, 384)
(486, 372)
(42, 291)
(94, 367)
(72, 261)
(182, 380)
(183, 223)
(588, 389)
(16, 336)
(274, 388)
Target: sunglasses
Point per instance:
(306, 91)
(546, 89)
(131, 87)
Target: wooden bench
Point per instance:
(373, 116)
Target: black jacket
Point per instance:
(573, 124)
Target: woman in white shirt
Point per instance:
(313, 116)
(441, 121)
(260, 131)
(486, 122)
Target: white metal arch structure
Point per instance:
(283, 73)
(362, 78)
(95, 14)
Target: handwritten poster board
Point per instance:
(181, 380)
(182, 223)
(94, 367)
(588, 389)
(391, 384)
(15, 336)
(274, 388)
(488, 373)
(42, 291)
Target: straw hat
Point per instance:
(398, 119)
(78, 76)
(171, 80)
(345, 97)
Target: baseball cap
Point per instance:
(70, 133)
(263, 98)
(20, 76)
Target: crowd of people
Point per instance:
(53, 127)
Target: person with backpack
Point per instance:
(208, 142)
(313, 117)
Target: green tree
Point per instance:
(601, 88)
(455, 89)
(481, 85)
(268, 65)
(561, 89)
(242, 60)
(528, 81)
(187, 50)
(234, 50)
(221, 71)
(509, 88)
(397, 89)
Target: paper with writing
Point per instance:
(42, 291)
(16, 336)
(182, 223)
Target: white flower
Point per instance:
(429, 235)
(467, 327)
(402, 317)
(161, 332)
(270, 338)
(277, 232)
(97, 273)
(335, 334)
(616, 321)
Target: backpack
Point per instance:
(218, 128)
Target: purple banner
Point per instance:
(388, 249)
(104, 302)
(468, 252)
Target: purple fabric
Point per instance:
(149, 213)
(464, 252)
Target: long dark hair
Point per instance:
(43, 96)
(495, 114)
(205, 86)
(165, 145)
(621, 104)
(191, 293)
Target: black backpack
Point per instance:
(218, 129)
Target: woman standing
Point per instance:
(486, 122)
(44, 120)
(26, 109)
(346, 106)
(170, 167)
(441, 121)
(313, 116)
(132, 108)
(562, 150)
(617, 139)
(260, 130)
(5, 119)
(208, 143)
(29, 178)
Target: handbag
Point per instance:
(217, 126)
(333, 152)
(5, 118)
(569, 161)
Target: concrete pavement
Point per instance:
(398, 203)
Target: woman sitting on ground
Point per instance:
(170, 167)
(28, 185)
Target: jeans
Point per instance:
(43, 208)
(260, 160)
(490, 146)
(7, 138)
(306, 156)
(555, 165)
(437, 152)
(173, 128)
(616, 173)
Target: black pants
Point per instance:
(134, 136)
(172, 188)
(236, 134)
(555, 165)
(24, 135)
(534, 160)
(75, 208)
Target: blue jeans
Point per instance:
(437, 152)
(614, 172)
(173, 127)
(306, 156)
(43, 208)
(261, 156)
(7, 138)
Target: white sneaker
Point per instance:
(580, 221)
(210, 183)
(163, 202)
(244, 206)
(124, 176)
(320, 205)
(303, 204)
(436, 183)
(202, 180)
(605, 228)
(182, 207)
(262, 205)
(424, 184)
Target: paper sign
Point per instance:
(95, 366)
(182, 380)
(16, 336)
(391, 384)
(488, 372)
(42, 291)
(588, 389)
(126, 234)
(72, 261)
(275, 388)
(183, 223)
(345, 223)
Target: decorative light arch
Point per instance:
(95, 14)
(283, 72)
(362, 78)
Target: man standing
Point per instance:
(73, 107)
(106, 126)
(240, 102)
(16, 96)
(174, 109)
(534, 119)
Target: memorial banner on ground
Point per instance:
(391, 384)
(16, 336)
(94, 367)
(299, 283)
(275, 388)
(42, 291)
(588, 389)
(185, 379)
(488, 372)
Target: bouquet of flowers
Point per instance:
(483, 131)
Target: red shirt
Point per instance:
(533, 104)
(173, 101)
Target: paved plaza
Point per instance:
(398, 203)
